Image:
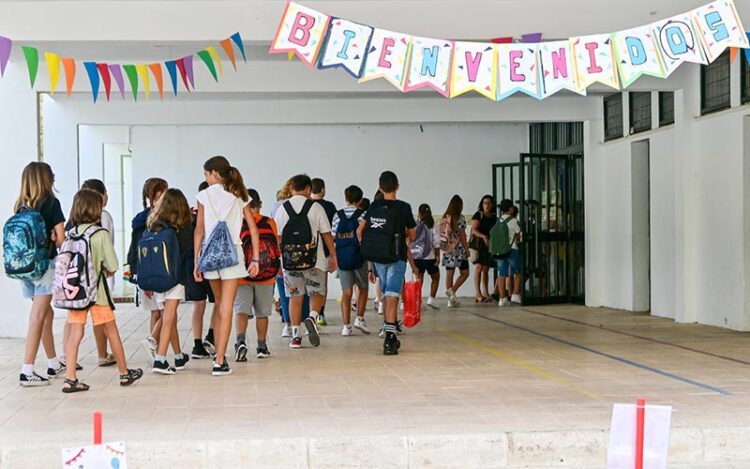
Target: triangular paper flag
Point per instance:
(5, 47)
(183, 73)
(143, 76)
(290, 56)
(69, 65)
(206, 58)
(132, 74)
(226, 44)
(733, 51)
(116, 72)
(188, 61)
(93, 73)
(32, 62)
(238, 40)
(53, 67)
(106, 78)
(156, 71)
(172, 70)
(217, 59)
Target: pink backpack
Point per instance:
(76, 282)
(448, 238)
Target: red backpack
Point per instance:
(270, 254)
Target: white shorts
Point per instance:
(157, 300)
(234, 272)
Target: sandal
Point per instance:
(78, 365)
(487, 300)
(131, 377)
(75, 386)
(108, 360)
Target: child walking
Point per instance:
(455, 248)
(171, 213)
(426, 252)
(37, 199)
(85, 214)
(223, 205)
(255, 296)
(352, 266)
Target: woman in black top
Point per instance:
(481, 224)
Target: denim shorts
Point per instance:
(511, 264)
(40, 287)
(391, 277)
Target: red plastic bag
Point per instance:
(412, 303)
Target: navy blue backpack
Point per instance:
(159, 268)
(347, 243)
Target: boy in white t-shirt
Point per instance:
(510, 265)
(311, 280)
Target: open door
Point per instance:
(552, 220)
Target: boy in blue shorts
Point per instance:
(510, 265)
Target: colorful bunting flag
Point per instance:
(636, 54)
(106, 78)
(93, 73)
(183, 73)
(159, 78)
(69, 65)
(720, 27)
(518, 70)
(531, 38)
(31, 54)
(226, 44)
(346, 46)
(205, 56)
(594, 61)
(557, 69)
(747, 51)
(172, 70)
(238, 41)
(678, 42)
(132, 74)
(474, 69)
(215, 56)
(5, 46)
(116, 71)
(143, 76)
(301, 31)
(386, 57)
(430, 65)
(53, 67)
(188, 61)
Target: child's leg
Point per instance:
(346, 306)
(485, 281)
(362, 301)
(72, 346)
(241, 319)
(305, 307)
(169, 321)
(66, 337)
(48, 338)
(174, 340)
(156, 323)
(37, 316)
(449, 278)
(283, 300)
(199, 309)
(463, 274)
(225, 302)
(261, 328)
(478, 281)
(113, 336)
(434, 283)
(101, 342)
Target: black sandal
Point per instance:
(75, 386)
(131, 377)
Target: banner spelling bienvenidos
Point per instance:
(496, 71)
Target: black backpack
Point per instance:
(299, 248)
(383, 237)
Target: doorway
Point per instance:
(641, 219)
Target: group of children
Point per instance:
(225, 251)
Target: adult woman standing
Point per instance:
(481, 224)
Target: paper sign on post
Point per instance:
(622, 437)
(107, 455)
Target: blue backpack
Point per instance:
(347, 244)
(26, 245)
(159, 268)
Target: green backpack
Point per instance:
(500, 243)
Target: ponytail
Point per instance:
(231, 177)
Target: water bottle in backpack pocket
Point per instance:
(25, 245)
(159, 263)
(76, 283)
(299, 249)
(382, 239)
(269, 262)
(347, 244)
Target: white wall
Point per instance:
(433, 161)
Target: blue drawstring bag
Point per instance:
(219, 251)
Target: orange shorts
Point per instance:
(100, 314)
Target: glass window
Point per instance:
(745, 74)
(613, 117)
(640, 112)
(715, 85)
(666, 108)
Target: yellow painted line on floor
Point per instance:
(520, 363)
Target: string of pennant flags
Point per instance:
(503, 67)
(104, 74)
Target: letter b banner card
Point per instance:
(301, 31)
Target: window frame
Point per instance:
(663, 122)
(725, 60)
(744, 79)
(609, 136)
(631, 125)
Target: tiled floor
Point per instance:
(475, 369)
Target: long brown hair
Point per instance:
(172, 209)
(87, 207)
(425, 215)
(231, 178)
(455, 210)
(37, 183)
(151, 188)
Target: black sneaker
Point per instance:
(200, 352)
(240, 352)
(181, 361)
(312, 330)
(208, 344)
(221, 370)
(162, 368)
(391, 344)
(32, 380)
(262, 352)
(56, 373)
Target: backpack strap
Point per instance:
(342, 214)
(103, 278)
(306, 208)
(289, 209)
(357, 213)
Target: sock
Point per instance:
(241, 337)
(295, 332)
(314, 314)
(53, 363)
(178, 356)
(390, 327)
(210, 336)
(198, 343)
(323, 310)
(28, 370)
(432, 298)
(261, 343)
(161, 358)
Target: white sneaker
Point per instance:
(453, 302)
(432, 303)
(361, 325)
(450, 293)
(149, 345)
(346, 331)
(515, 298)
(286, 331)
(381, 308)
(503, 302)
